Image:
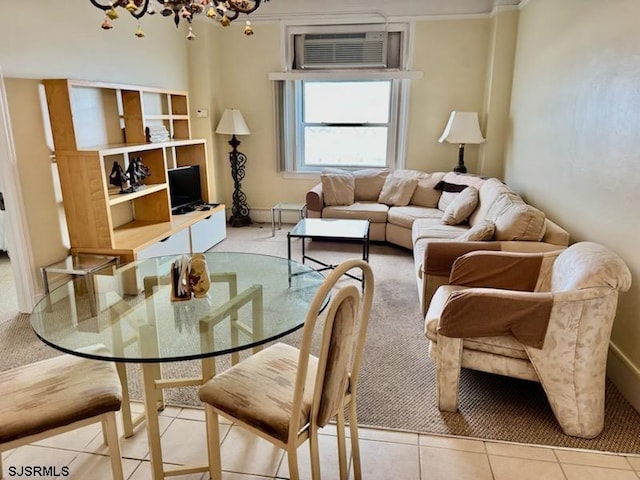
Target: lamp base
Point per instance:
(460, 169)
(239, 221)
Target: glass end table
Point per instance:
(277, 209)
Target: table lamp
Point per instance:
(232, 123)
(462, 128)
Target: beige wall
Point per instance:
(452, 54)
(67, 42)
(575, 114)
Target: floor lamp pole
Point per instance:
(240, 209)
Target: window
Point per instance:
(339, 102)
(345, 124)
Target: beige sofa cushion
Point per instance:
(397, 190)
(451, 184)
(488, 193)
(481, 231)
(405, 216)
(372, 211)
(426, 194)
(338, 187)
(461, 206)
(516, 220)
(368, 183)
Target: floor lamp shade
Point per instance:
(232, 123)
(462, 128)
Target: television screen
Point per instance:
(184, 186)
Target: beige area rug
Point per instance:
(397, 383)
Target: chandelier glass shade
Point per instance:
(222, 11)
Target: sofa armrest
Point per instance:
(315, 199)
(555, 234)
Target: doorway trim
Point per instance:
(16, 226)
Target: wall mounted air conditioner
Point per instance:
(343, 50)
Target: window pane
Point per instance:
(347, 102)
(345, 146)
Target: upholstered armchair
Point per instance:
(545, 317)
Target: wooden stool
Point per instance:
(58, 395)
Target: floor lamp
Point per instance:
(462, 127)
(232, 123)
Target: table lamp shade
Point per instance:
(462, 127)
(232, 123)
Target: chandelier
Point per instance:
(221, 11)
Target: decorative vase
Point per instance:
(199, 275)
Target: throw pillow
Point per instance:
(461, 206)
(397, 190)
(481, 231)
(338, 187)
(449, 192)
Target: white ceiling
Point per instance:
(284, 9)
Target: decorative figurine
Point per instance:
(117, 177)
(199, 275)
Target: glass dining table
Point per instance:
(252, 300)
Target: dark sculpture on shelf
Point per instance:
(118, 177)
(132, 179)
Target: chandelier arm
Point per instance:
(141, 11)
(244, 6)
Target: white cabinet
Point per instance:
(176, 244)
(208, 232)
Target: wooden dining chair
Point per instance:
(285, 394)
(57, 395)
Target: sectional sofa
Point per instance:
(438, 215)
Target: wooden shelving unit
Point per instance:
(95, 124)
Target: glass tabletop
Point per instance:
(331, 228)
(253, 299)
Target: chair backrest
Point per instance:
(343, 339)
(588, 265)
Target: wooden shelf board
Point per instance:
(115, 198)
(138, 234)
(119, 148)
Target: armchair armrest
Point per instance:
(315, 198)
(440, 255)
(483, 312)
(504, 270)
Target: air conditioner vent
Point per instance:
(345, 50)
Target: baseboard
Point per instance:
(624, 375)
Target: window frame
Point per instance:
(289, 101)
(391, 125)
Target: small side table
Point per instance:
(301, 208)
(79, 265)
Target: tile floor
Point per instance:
(386, 455)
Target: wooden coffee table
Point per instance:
(329, 229)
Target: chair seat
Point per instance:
(259, 390)
(55, 392)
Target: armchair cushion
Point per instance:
(479, 312)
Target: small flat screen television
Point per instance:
(184, 186)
